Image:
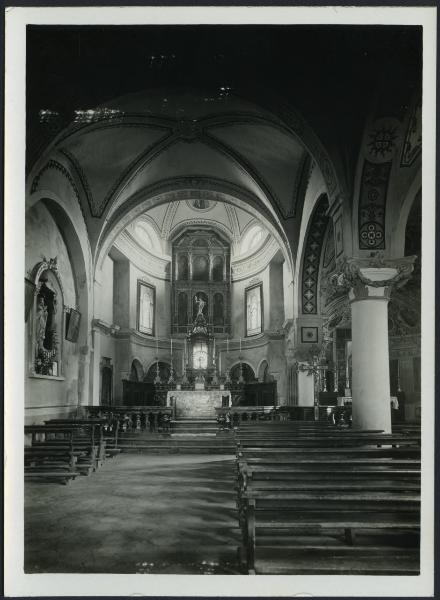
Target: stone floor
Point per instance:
(137, 514)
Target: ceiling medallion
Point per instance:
(200, 204)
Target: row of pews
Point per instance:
(314, 499)
(62, 449)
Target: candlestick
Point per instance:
(227, 345)
(240, 346)
(220, 362)
(336, 378)
(398, 377)
(157, 347)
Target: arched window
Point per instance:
(252, 239)
(217, 268)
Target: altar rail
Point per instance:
(238, 414)
(129, 418)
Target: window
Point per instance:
(200, 355)
(146, 307)
(254, 304)
(252, 239)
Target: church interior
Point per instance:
(223, 300)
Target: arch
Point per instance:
(248, 371)
(164, 371)
(181, 189)
(262, 370)
(80, 258)
(399, 229)
(311, 257)
(137, 370)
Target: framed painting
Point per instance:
(73, 320)
(254, 309)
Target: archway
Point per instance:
(136, 371)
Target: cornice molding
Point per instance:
(105, 327)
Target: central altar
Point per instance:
(197, 403)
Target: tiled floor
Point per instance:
(137, 514)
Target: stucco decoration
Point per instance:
(372, 202)
(349, 274)
(383, 140)
(312, 254)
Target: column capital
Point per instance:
(372, 277)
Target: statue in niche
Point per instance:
(46, 338)
(200, 305)
(41, 320)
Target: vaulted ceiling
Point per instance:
(171, 134)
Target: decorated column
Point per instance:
(370, 283)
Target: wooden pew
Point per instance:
(263, 514)
(302, 505)
(88, 435)
(46, 461)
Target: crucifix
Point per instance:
(316, 369)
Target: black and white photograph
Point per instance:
(234, 207)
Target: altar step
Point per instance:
(193, 443)
(194, 427)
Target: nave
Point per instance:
(299, 498)
(222, 343)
